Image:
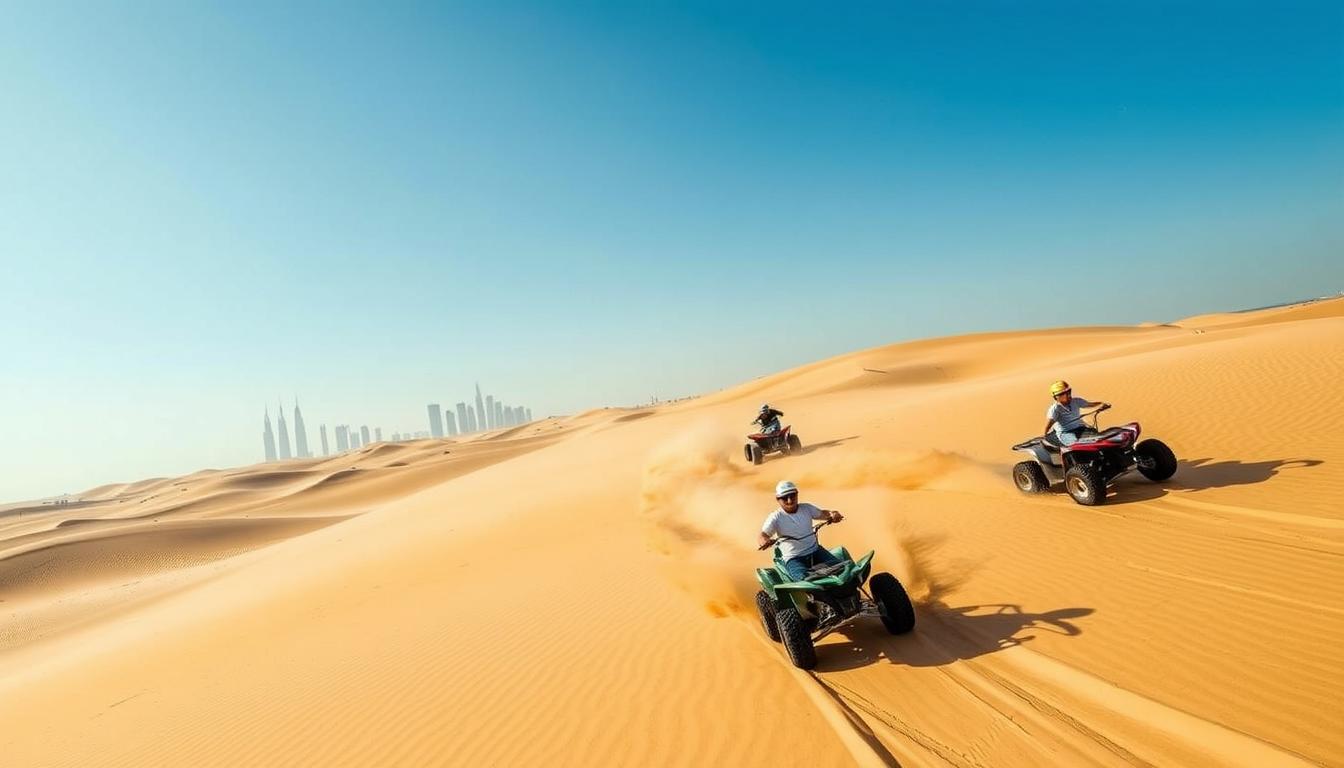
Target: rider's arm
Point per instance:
(1048, 424)
(829, 515)
(767, 532)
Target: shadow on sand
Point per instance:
(1203, 474)
(943, 635)
(828, 444)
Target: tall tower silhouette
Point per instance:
(284, 435)
(323, 431)
(435, 420)
(479, 421)
(268, 437)
(463, 425)
(489, 421)
(300, 433)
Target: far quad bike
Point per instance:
(779, 441)
(799, 613)
(1088, 466)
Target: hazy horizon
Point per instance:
(210, 209)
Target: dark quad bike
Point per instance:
(779, 441)
(1088, 466)
(799, 613)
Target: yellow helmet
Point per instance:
(1059, 388)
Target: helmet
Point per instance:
(785, 488)
(1059, 388)
(765, 407)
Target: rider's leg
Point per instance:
(796, 567)
(1066, 438)
(823, 556)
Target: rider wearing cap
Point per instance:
(768, 418)
(1065, 415)
(792, 524)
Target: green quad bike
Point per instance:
(799, 613)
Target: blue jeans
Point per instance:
(1070, 437)
(797, 566)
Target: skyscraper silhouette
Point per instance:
(471, 419)
(462, 418)
(489, 412)
(450, 423)
(479, 421)
(378, 434)
(300, 433)
(268, 437)
(364, 435)
(499, 414)
(342, 438)
(322, 430)
(435, 420)
(284, 435)
(529, 414)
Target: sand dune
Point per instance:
(578, 591)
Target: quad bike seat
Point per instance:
(1098, 437)
(819, 571)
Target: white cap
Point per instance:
(784, 488)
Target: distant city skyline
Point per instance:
(443, 423)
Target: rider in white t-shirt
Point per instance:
(792, 524)
(1064, 418)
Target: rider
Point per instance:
(1065, 415)
(768, 418)
(800, 550)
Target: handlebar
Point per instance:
(1093, 415)
(778, 539)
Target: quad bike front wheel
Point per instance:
(1155, 460)
(1085, 486)
(755, 453)
(1029, 477)
(795, 444)
(898, 615)
(765, 608)
(797, 640)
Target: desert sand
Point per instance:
(578, 591)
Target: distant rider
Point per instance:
(801, 550)
(768, 418)
(1064, 418)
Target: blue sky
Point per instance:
(206, 208)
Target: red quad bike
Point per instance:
(780, 441)
(1088, 466)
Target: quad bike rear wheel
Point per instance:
(755, 451)
(1030, 478)
(1156, 461)
(795, 444)
(898, 615)
(1085, 486)
(746, 451)
(797, 640)
(765, 608)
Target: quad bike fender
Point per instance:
(769, 579)
(1037, 452)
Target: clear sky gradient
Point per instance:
(204, 209)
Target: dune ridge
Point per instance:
(579, 591)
